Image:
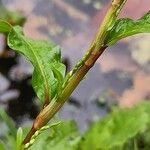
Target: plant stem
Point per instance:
(99, 40)
(83, 66)
(108, 22)
(49, 111)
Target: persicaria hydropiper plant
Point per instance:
(50, 81)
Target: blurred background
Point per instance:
(120, 77)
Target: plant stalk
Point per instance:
(49, 111)
(83, 66)
(99, 40)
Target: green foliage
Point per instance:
(38, 132)
(45, 56)
(8, 140)
(41, 138)
(123, 129)
(64, 137)
(9, 122)
(117, 128)
(19, 139)
(13, 18)
(5, 27)
(125, 27)
(2, 146)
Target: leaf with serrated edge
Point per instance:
(127, 27)
(45, 57)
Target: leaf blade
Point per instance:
(65, 136)
(14, 18)
(117, 128)
(5, 27)
(8, 121)
(19, 139)
(125, 27)
(43, 56)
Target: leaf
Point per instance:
(5, 27)
(19, 139)
(14, 18)
(2, 145)
(46, 59)
(9, 122)
(62, 137)
(117, 128)
(38, 132)
(127, 27)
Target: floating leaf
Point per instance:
(5, 27)
(45, 57)
(127, 27)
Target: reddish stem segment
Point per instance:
(49, 111)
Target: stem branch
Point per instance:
(80, 70)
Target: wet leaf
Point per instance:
(127, 27)
(46, 59)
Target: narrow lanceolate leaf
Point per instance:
(5, 27)
(19, 139)
(127, 27)
(45, 57)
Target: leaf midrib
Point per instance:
(40, 66)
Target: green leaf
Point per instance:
(64, 137)
(38, 132)
(2, 145)
(61, 137)
(127, 27)
(13, 18)
(117, 128)
(5, 27)
(9, 122)
(19, 139)
(48, 72)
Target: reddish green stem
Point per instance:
(97, 48)
(49, 111)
